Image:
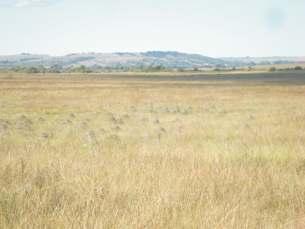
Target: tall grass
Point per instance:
(140, 155)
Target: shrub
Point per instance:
(298, 68)
(32, 70)
(272, 69)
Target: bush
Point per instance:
(298, 68)
(272, 69)
(32, 70)
(81, 69)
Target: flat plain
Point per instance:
(152, 151)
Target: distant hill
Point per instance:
(113, 60)
(123, 60)
(242, 61)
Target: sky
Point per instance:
(217, 28)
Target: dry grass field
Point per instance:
(115, 152)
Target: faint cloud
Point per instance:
(275, 18)
(26, 3)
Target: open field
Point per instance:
(224, 151)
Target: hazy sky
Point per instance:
(215, 28)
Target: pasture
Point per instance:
(152, 151)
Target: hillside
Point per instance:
(153, 58)
(242, 61)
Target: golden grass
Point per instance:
(81, 153)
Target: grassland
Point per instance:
(117, 152)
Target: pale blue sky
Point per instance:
(215, 28)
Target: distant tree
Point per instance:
(196, 69)
(41, 69)
(32, 70)
(55, 69)
(16, 69)
(154, 68)
(272, 69)
(81, 69)
(158, 68)
(298, 68)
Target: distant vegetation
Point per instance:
(157, 68)
(96, 69)
(296, 68)
(272, 69)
